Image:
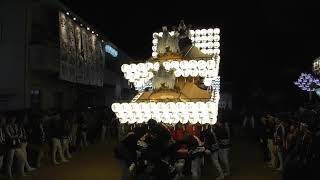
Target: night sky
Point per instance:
(264, 44)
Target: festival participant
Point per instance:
(212, 145)
(13, 144)
(23, 138)
(196, 152)
(270, 134)
(38, 139)
(224, 144)
(126, 151)
(182, 153)
(82, 131)
(279, 141)
(262, 136)
(66, 136)
(56, 136)
(3, 146)
(192, 129)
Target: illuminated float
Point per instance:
(179, 83)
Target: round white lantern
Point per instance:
(216, 31)
(201, 106)
(210, 38)
(184, 64)
(167, 65)
(156, 66)
(212, 73)
(186, 73)
(175, 64)
(211, 44)
(149, 65)
(191, 32)
(194, 72)
(171, 106)
(184, 119)
(193, 64)
(193, 121)
(132, 120)
(154, 35)
(202, 65)
(125, 68)
(210, 64)
(133, 67)
(177, 73)
(203, 31)
(123, 120)
(198, 32)
(181, 106)
(203, 73)
(210, 51)
(150, 75)
(216, 38)
(116, 107)
(216, 51)
(154, 48)
(155, 41)
(154, 54)
(207, 82)
(216, 45)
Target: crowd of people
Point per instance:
(156, 151)
(290, 142)
(28, 139)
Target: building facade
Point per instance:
(30, 58)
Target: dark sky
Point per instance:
(264, 43)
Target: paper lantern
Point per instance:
(194, 72)
(115, 107)
(202, 64)
(210, 31)
(154, 54)
(133, 67)
(156, 66)
(216, 45)
(125, 68)
(174, 64)
(216, 38)
(149, 65)
(216, 31)
(123, 120)
(216, 51)
(177, 73)
(191, 32)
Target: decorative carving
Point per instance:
(177, 42)
(167, 43)
(163, 79)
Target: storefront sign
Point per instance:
(110, 50)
